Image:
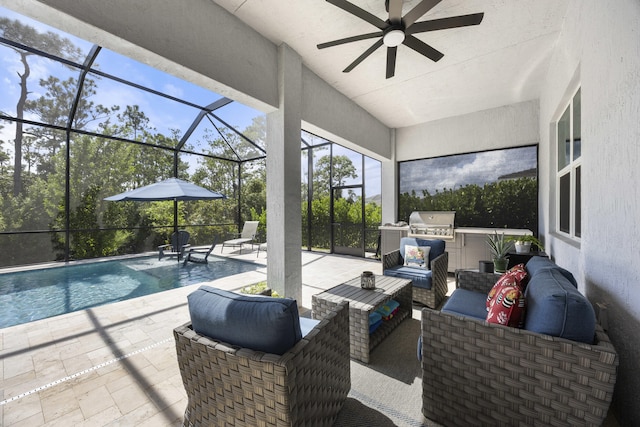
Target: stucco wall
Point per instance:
(600, 48)
(508, 126)
(330, 114)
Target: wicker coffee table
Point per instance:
(361, 303)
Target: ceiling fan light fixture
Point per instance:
(393, 38)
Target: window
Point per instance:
(568, 177)
(497, 188)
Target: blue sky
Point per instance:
(163, 114)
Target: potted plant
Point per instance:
(523, 243)
(499, 247)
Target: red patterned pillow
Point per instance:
(508, 307)
(513, 277)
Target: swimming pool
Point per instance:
(37, 294)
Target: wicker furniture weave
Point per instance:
(476, 281)
(476, 373)
(230, 386)
(361, 303)
(439, 266)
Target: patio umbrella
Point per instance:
(170, 189)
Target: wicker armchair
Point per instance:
(439, 266)
(477, 373)
(233, 386)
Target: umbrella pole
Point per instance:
(175, 215)
(175, 225)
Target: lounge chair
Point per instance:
(247, 235)
(199, 254)
(179, 243)
(429, 281)
(261, 247)
(260, 242)
(267, 375)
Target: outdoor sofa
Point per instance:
(250, 360)
(560, 369)
(429, 281)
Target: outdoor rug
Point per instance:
(388, 390)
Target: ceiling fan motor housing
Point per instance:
(393, 35)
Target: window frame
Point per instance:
(572, 168)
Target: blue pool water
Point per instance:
(38, 294)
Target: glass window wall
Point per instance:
(79, 123)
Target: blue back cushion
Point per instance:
(437, 246)
(260, 323)
(555, 307)
(538, 263)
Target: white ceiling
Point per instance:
(499, 62)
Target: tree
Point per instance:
(509, 203)
(134, 120)
(343, 169)
(54, 108)
(50, 42)
(222, 175)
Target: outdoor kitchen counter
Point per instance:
(486, 231)
(467, 247)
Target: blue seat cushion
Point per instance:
(271, 325)
(538, 263)
(556, 307)
(437, 246)
(421, 277)
(464, 302)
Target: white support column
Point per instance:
(284, 234)
(390, 184)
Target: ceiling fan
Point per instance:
(399, 30)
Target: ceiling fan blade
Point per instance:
(417, 12)
(391, 61)
(360, 13)
(395, 11)
(364, 56)
(350, 39)
(423, 48)
(445, 23)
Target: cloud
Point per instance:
(456, 171)
(173, 90)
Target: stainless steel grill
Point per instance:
(432, 224)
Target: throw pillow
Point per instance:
(416, 255)
(388, 309)
(508, 307)
(375, 320)
(515, 276)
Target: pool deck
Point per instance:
(116, 364)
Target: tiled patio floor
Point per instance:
(115, 365)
